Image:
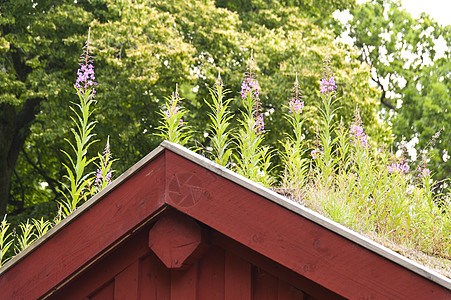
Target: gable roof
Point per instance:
(262, 220)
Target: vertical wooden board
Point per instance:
(126, 283)
(88, 235)
(289, 292)
(105, 293)
(264, 285)
(211, 275)
(154, 279)
(272, 267)
(184, 284)
(238, 275)
(106, 268)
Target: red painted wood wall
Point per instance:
(226, 270)
(224, 242)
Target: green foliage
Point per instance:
(350, 180)
(5, 240)
(220, 117)
(325, 161)
(252, 157)
(41, 226)
(293, 146)
(26, 236)
(78, 176)
(412, 76)
(143, 48)
(104, 168)
(172, 127)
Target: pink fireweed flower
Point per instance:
(259, 124)
(249, 85)
(296, 103)
(423, 172)
(358, 136)
(327, 83)
(296, 106)
(250, 88)
(85, 74)
(316, 153)
(399, 167)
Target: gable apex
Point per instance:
(175, 178)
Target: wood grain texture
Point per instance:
(288, 292)
(89, 235)
(256, 249)
(177, 240)
(238, 278)
(264, 285)
(211, 275)
(184, 283)
(106, 269)
(126, 283)
(312, 289)
(301, 245)
(104, 293)
(154, 279)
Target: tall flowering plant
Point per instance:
(220, 121)
(253, 159)
(78, 177)
(363, 169)
(80, 181)
(173, 128)
(359, 139)
(296, 167)
(104, 168)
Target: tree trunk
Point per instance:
(5, 185)
(14, 130)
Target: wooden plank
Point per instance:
(264, 285)
(211, 275)
(104, 293)
(93, 232)
(106, 269)
(126, 283)
(184, 283)
(154, 279)
(288, 292)
(299, 244)
(273, 268)
(238, 278)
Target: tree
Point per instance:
(31, 69)
(412, 77)
(142, 50)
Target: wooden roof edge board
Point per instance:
(250, 185)
(310, 214)
(80, 210)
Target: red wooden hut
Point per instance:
(178, 226)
